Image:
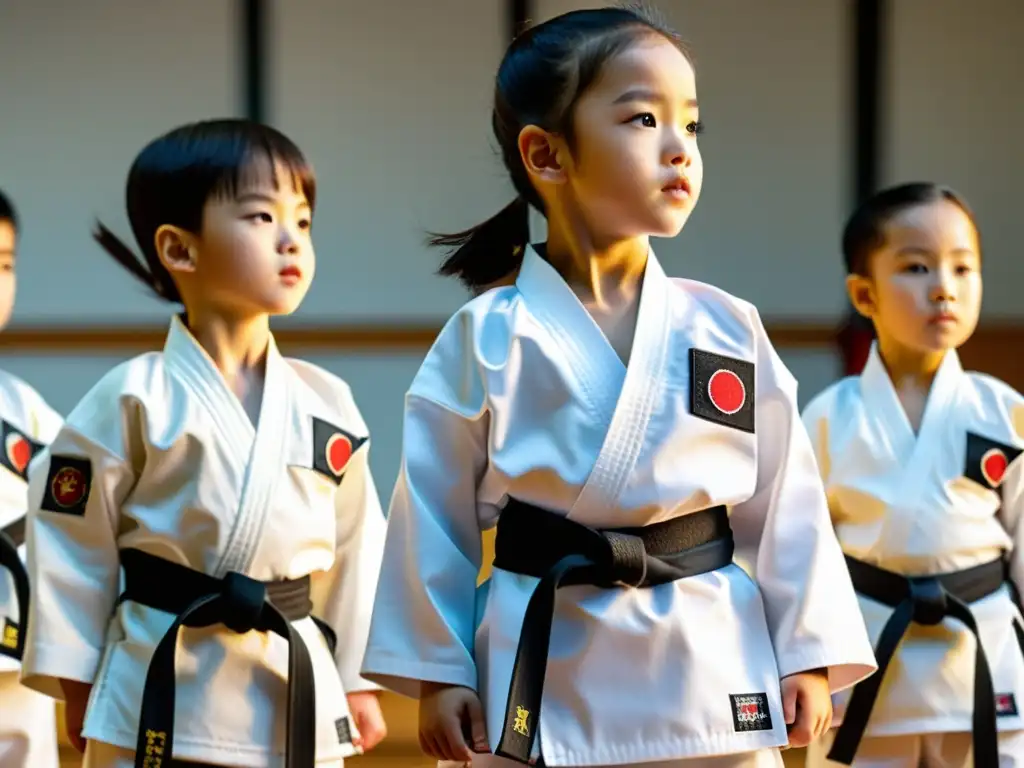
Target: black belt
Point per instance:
(925, 600)
(242, 605)
(11, 537)
(535, 542)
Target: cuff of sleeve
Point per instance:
(403, 676)
(44, 666)
(846, 667)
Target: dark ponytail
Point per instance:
(490, 251)
(154, 276)
(540, 80)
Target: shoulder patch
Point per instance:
(722, 389)
(18, 449)
(333, 447)
(68, 485)
(986, 461)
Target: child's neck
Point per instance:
(238, 347)
(599, 273)
(912, 373)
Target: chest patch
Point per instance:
(722, 389)
(333, 448)
(986, 460)
(19, 449)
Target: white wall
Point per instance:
(85, 86)
(956, 115)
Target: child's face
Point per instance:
(635, 132)
(255, 254)
(8, 240)
(924, 291)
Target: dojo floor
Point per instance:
(399, 750)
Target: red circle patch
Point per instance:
(993, 466)
(338, 452)
(18, 452)
(726, 391)
(68, 487)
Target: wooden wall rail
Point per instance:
(997, 347)
(356, 337)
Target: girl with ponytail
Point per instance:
(625, 433)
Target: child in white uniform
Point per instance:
(625, 432)
(28, 728)
(921, 464)
(204, 532)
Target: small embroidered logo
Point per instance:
(750, 712)
(156, 742)
(1006, 705)
(520, 724)
(10, 638)
(344, 730)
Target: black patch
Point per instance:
(68, 485)
(983, 456)
(344, 729)
(17, 449)
(750, 712)
(734, 393)
(333, 448)
(9, 640)
(1006, 705)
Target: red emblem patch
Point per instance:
(68, 487)
(338, 452)
(726, 391)
(993, 466)
(19, 452)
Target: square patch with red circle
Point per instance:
(333, 448)
(722, 389)
(19, 449)
(986, 460)
(68, 485)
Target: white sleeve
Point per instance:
(424, 618)
(76, 488)
(343, 596)
(812, 610)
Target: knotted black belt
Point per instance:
(535, 542)
(925, 600)
(242, 605)
(11, 537)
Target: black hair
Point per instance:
(865, 230)
(175, 175)
(7, 211)
(539, 82)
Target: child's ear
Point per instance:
(541, 153)
(862, 294)
(176, 249)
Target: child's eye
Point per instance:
(964, 269)
(695, 128)
(262, 216)
(305, 223)
(916, 269)
(646, 119)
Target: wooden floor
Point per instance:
(399, 750)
